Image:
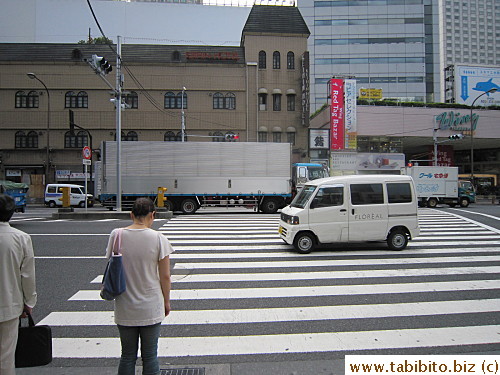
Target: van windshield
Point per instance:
(303, 197)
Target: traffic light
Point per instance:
(456, 136)
(230, 137)
(161, 198)
(101, 65)
(65, 196)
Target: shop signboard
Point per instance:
(365, 161)
(337, 114)
(350, 114)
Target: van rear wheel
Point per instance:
(52, 204)
(397, 240)
(304, 243)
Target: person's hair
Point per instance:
(142, 207)
(7, 207)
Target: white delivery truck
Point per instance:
(200, 174)
(353, 208)
(440, 185)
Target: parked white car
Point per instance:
(76, 195)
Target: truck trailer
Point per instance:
(202, 174)
(440, 185)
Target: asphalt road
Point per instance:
(70, 254)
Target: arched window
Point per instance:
(290, 60)
(169, 136)
(230, 101)
(276, 60)
(290, 102)
(132, 100)
(26, 101)
(26, 141)
(179, 102)
(131, 136)
(79, 100)
(218, 101)
(170, 100)
(76, 140)
(262, 60)
(217, 137)
(276, 102)
(178, 137)
(176, 56)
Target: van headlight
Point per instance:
(292, 220)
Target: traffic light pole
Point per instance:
(118, 104)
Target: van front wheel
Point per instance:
(304, 243)
(397, 240)
(52, 204)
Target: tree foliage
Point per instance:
(98, 40)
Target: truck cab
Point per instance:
(305, 172)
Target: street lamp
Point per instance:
(182, 115)
(47, 163)
(490, 91)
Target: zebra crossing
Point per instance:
(238, 290)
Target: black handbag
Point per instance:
(34, 345)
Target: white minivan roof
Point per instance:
(360, 178)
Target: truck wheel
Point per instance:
(397, 240)
(304, 243)
(432, 202)
(269, 206)
(52, 204)
(464, 202)
(169, 205)
(188, 206)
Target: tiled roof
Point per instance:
(132, 53)
(274, 19)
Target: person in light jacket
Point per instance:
(17, 283)
(140, 310)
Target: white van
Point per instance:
(353, 208)
(76, 195)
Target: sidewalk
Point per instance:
(320, 367)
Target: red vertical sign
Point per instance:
(337, 114)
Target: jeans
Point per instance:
(129, 337)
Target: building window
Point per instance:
(132, 100)
(180, 102)
(178, 137)
(218, 137)
(169, 136)
(218, 101)
(131, 136)
(262, 136)
(176, 56)
(224, 102)
(230, 101)
(290, 102)
(262, 102)
(78, 140)
(80, 100)
(276, 137)
(290, 60)
(262, 60)
(290, 136)
(26, 141)
(276, 60)
(276, 102)
(26, 101)
(169, 100)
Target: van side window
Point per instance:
(367, 194)
(399, 193)
(75, 190)
(51, 189)
(329, 196)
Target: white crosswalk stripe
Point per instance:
(233, 276)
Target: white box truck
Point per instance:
(440, 185)
(200, 174)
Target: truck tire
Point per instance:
(304, 242)
(432, 202)
(464, 202)
(397, 240)
(189, 206)
(269, 206)
(169, 205)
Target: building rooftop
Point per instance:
(271, 19)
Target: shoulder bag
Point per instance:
(113, 281)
